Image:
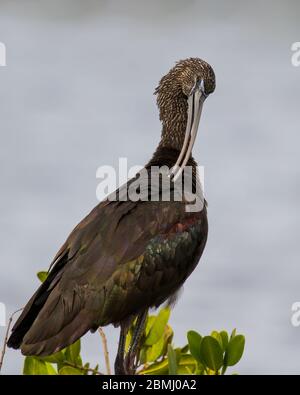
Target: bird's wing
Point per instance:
(97, 276)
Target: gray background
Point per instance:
(77, 94)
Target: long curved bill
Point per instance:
(195, 104)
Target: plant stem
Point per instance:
(223, 369)
(105, 349)
(6, 336)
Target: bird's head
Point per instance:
(180, 97)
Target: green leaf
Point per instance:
(42, 276)
(58, 357)
(216, 335)
(158, 349)
(79, 361)
(183, 370)
(149, 324)
(211, 353)
(187, 364)
(200, 369)
(72, 353)
(69, 370)
(235, 350)
(168, 337)
(157, 368)
(50, 369)
(35, 366)
(143, 356)
(224, 336)
(194, 339)
(31, 366)
(128, 340)
(155, 351)
(86, 367)
(172, 360)
(158, 327)
(96, 368)
(233, 334)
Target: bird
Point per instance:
(128, 255)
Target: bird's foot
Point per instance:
(126, 366)
(119, 367)
(129, 364)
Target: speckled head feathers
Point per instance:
(172, 94)
(182, 77)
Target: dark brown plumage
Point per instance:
(125, 256)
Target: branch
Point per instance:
(6, 336)
(105, 349)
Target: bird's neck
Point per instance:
(172, 137)
(174, 119)
(167, 156)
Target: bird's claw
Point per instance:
(129, 365)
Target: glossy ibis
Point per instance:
(127, 256)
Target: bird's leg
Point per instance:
(134, 346)
(119, 362)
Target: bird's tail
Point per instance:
(27, 317)
(50, 323)
(50, 330)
